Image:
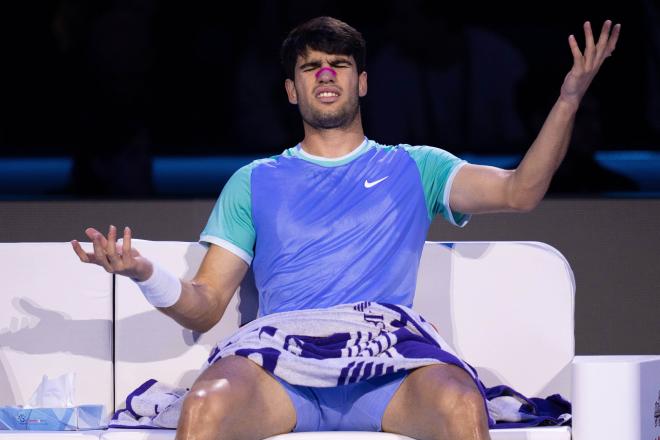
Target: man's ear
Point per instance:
(291, 91)
(362, 84)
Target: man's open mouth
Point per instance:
(327, 95)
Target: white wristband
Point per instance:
(162, 289)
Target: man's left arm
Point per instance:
(480, 189)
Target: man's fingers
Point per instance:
(126, 245)
(105, 252)
(575, 50)
(590, 47)
(604, 35)
(111, 248)
(97, 238)
(91, 233)
(84, 256)
(99, 251)
(594, 53)
(611, 43)
(111, 245)
(588, 36)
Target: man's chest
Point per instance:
(305, 198)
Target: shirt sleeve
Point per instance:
(230, 224)
(437, 169)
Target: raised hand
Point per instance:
(123, 261)
(585, 66)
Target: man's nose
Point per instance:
(326, 74)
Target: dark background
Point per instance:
(113, 83)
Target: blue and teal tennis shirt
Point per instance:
(321, 232)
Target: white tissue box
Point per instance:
(52, 419)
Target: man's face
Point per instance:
(326, 89)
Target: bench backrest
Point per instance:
(506, 307)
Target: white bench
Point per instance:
(506, 307)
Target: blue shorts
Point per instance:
(355, 407)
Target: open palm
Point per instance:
(585, 66)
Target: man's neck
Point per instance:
(332, 143)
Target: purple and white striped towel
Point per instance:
(340, 345)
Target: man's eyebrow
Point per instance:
(316, 63)
(340, 60)
(310, 64)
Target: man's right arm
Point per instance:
(198, 304)
(204, 299)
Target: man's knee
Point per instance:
(220, 390)
(450, 392)
(213, 399)
(456, 395)
(234, 398)
(455, 398)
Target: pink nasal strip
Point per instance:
(323, 69)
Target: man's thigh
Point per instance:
(250, 402)
(437, 401)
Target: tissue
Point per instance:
(54, 393)
(51, 408)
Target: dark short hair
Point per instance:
(325, 34)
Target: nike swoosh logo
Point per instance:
(368, 184)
